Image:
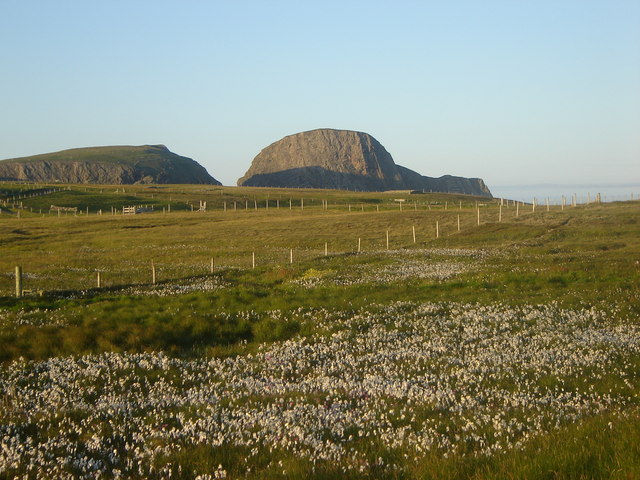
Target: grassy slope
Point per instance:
(578, 257)
(121, 154)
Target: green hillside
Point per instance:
(107, 165)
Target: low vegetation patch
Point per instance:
(505, 350)
(374, 392)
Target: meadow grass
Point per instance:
(584, 259)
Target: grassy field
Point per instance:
(330, 340)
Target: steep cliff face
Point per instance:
(347, 160)
(116, 165)
(324, 158)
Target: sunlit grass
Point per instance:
(363, 308)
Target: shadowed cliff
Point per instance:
(344, 160)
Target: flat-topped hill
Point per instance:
(116, 165)
(346, 160)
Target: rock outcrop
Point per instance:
(117, 165)
(345, 160)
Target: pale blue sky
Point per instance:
(514, 92)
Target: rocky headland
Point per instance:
(344, 160)
(113, 165)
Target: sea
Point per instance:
(555, 193)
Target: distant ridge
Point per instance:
(345, 160)
(114, 165)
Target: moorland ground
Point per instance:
(340, 334)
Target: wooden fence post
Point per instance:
(478, 208)
(458, 223)
(18, 282)
(326, 249)
(414, 233)
(213, 265)
(99, 283)
(253, 259)
(153, 273)
(387, 239)
(358, 244)
(291, 255)
(500, 212)
(437, 229)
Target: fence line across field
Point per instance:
(154, 278)
(20, 290)
(388, 237)
(202, 206)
